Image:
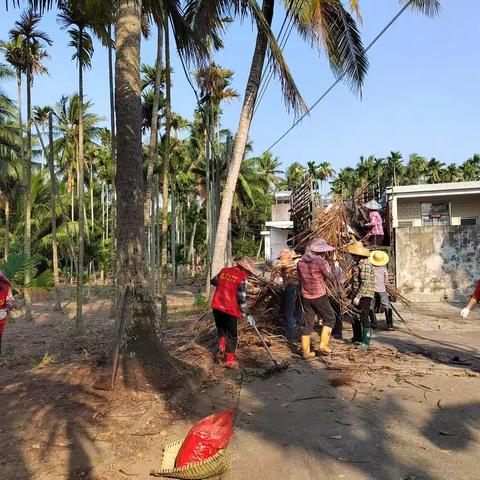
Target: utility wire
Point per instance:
(339, 79)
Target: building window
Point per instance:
(435, 214)
(468, 221)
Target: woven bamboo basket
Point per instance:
(216, 465)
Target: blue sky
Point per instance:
(422, 92)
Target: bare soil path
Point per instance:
(407, 409)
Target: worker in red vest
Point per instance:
(6, 303)
(229, 303)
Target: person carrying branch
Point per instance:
(379, 261)
(286, 269)
(363, 291)
(312, 269)
(474, 299)
(6, 303)
(229, 303)
(375, 224)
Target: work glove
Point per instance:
(465, 312)
(249, 319)
(3, 314)
(356, 301)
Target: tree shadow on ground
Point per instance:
(438, 351)
(56, 431)
(314, 431)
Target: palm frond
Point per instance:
(293, 100)
(427, 7)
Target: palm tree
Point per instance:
(294, 176)
(150, 186)
(451, 173)
(268, 169)
(40, 120)
(30, 40)
(394, 167)
(470, 170)
(312, 172)
(214, 83)
(325, 172)
(436, 170)
(53, 198)
(332, 23)
(416, 169)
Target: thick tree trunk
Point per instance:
(241, 138)
(28, 195)
(53, 200)
(129, 177)
(143, 347)
(166, 167)
(7, 230)
(81, 200)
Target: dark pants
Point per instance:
(363, 318)
(226, 327)
(338, 328)
(320, 306)
(289, 304)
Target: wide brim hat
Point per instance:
(247, 264)
(357, 248)
(379, 258)
(320, 245)
(373, 205)
(287, 253)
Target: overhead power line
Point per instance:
(339, 79)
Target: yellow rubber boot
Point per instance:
(324, 340)
(307, 354)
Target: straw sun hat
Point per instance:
(247, 264)
(379, 258)
(357, 248)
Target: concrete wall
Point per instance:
(278, 240)
(281, 212)
(410, 210)
(437, 263)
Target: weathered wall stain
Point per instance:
(437, 263)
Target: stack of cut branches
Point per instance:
(397, 296)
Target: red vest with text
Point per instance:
(4, 289)
(225, 296)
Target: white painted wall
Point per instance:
(278, 240)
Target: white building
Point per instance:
(437, 204)
(436, 239)
(279, 228)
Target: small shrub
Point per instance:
(42, 362)
(200, 303)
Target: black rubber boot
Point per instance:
(389, 318)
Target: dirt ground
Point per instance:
(409, 408)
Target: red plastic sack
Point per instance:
(206, 438)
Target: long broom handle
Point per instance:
(257, 331)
